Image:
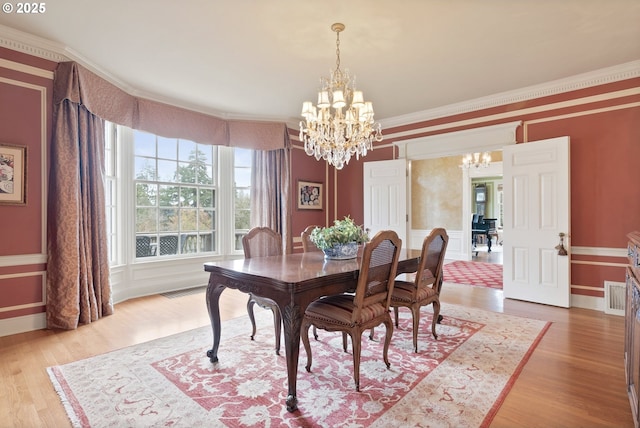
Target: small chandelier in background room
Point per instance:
(341, 125)
(476, 160)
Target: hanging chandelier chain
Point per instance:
(337, 50)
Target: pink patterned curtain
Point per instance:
(270, 205)
(78, 289)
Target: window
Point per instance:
(242, 194)
(111, 191)
(178, 198)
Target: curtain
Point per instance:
(78, 289)
(270, 184)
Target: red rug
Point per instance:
(458, 380)
(474, 273)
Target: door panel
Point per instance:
(537, 210)
(385, 197)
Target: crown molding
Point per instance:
(602, 76)
(42, 48)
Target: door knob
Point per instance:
(560, 247)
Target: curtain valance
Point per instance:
(105, 100)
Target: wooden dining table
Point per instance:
(293, 281)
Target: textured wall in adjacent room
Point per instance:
(436, 193)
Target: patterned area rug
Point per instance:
(474, 273)
(458, 380)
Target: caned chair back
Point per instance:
(430, 268)
(262, 242)
(377, 272)
(305, 236)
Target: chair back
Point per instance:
(262, 242)
(377, 272)
(143, 246)
(168, 244)
(305, 236)
(430, 269)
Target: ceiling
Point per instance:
(262, 59)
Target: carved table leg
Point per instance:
(213, 299)
(292, 320)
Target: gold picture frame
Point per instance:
(310, 195)
(13, 174)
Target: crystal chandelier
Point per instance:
(476, 160)
(341, 124)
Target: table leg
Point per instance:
(213, 305)
(292, 320)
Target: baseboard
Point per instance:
(23, 324)
(587, 302)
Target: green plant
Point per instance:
(342, 232)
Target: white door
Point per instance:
(385, 197)
(536, 211)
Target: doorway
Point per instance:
(487, 196)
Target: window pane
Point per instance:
(187, 150)
(169, 196)
(242, 177)
(188, 197)
(145, 168)
(242, 157)
(144, 143)
(206, 219)
(167, 170)
(167, 148)
(187, 172)
(207, 198)
(168, 220)
(146, 194)
(146, 221)
(188, 219)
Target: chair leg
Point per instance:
(344, 341)
(304, 335)
(357, 348)
(415, 314)
(387, 340)
(395, 312)
(436, 316)
(250, 304)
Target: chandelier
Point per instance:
(341, 125)
(476, 160)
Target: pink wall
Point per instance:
(605, 150)
(605, 168)
(25, 120)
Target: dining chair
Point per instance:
(425, 288)
(263, 242)
(168, 244)
(143, 246)
(352, 314)
(305, 236)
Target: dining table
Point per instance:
(293, 281)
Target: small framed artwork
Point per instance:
(13, 175)
(309, 195)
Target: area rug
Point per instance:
(459, 380)
(474, 273)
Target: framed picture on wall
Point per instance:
(309, 195)
(13, 174)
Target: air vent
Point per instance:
(614, 297)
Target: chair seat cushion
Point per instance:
(403, 293)
(337, 310)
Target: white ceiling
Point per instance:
(262, 59)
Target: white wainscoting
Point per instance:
(455, 247)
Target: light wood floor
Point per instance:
(575, 377)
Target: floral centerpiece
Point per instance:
(341, 240)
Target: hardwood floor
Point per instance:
(575, 377)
